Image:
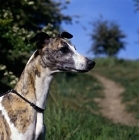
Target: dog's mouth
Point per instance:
(69, 69)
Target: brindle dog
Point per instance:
(21, 110)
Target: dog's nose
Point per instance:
(90, 64)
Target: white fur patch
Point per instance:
(79, 60)
(42, 84)
(32, 56)
(39, 125)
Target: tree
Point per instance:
(33, 14)
(107, 38)
(137, 4)
(19, 20)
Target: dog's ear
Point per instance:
(40, 39)
(66, 35)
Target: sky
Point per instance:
(122, 12)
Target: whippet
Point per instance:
(21, 109)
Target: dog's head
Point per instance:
(59, 54)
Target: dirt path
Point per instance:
(111, 105)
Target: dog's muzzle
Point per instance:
(89, 65)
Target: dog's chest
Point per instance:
(13, 123)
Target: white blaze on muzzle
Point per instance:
(79, 60)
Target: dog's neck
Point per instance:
(42, 84)
(34, 83)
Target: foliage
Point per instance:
(107, 38)
(137, 4)
(19, 20)
(32, 14)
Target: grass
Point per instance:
(125, 72)
(69, 124)
(72, 114)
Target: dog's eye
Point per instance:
(64, 49)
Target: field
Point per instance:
(73, 114)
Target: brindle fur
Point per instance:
(52, 54)
(5, 132)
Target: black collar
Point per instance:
(38, 109)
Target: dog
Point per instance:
(22, 109)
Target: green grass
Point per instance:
(125, 72)
(69, 124)
(72, 114)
